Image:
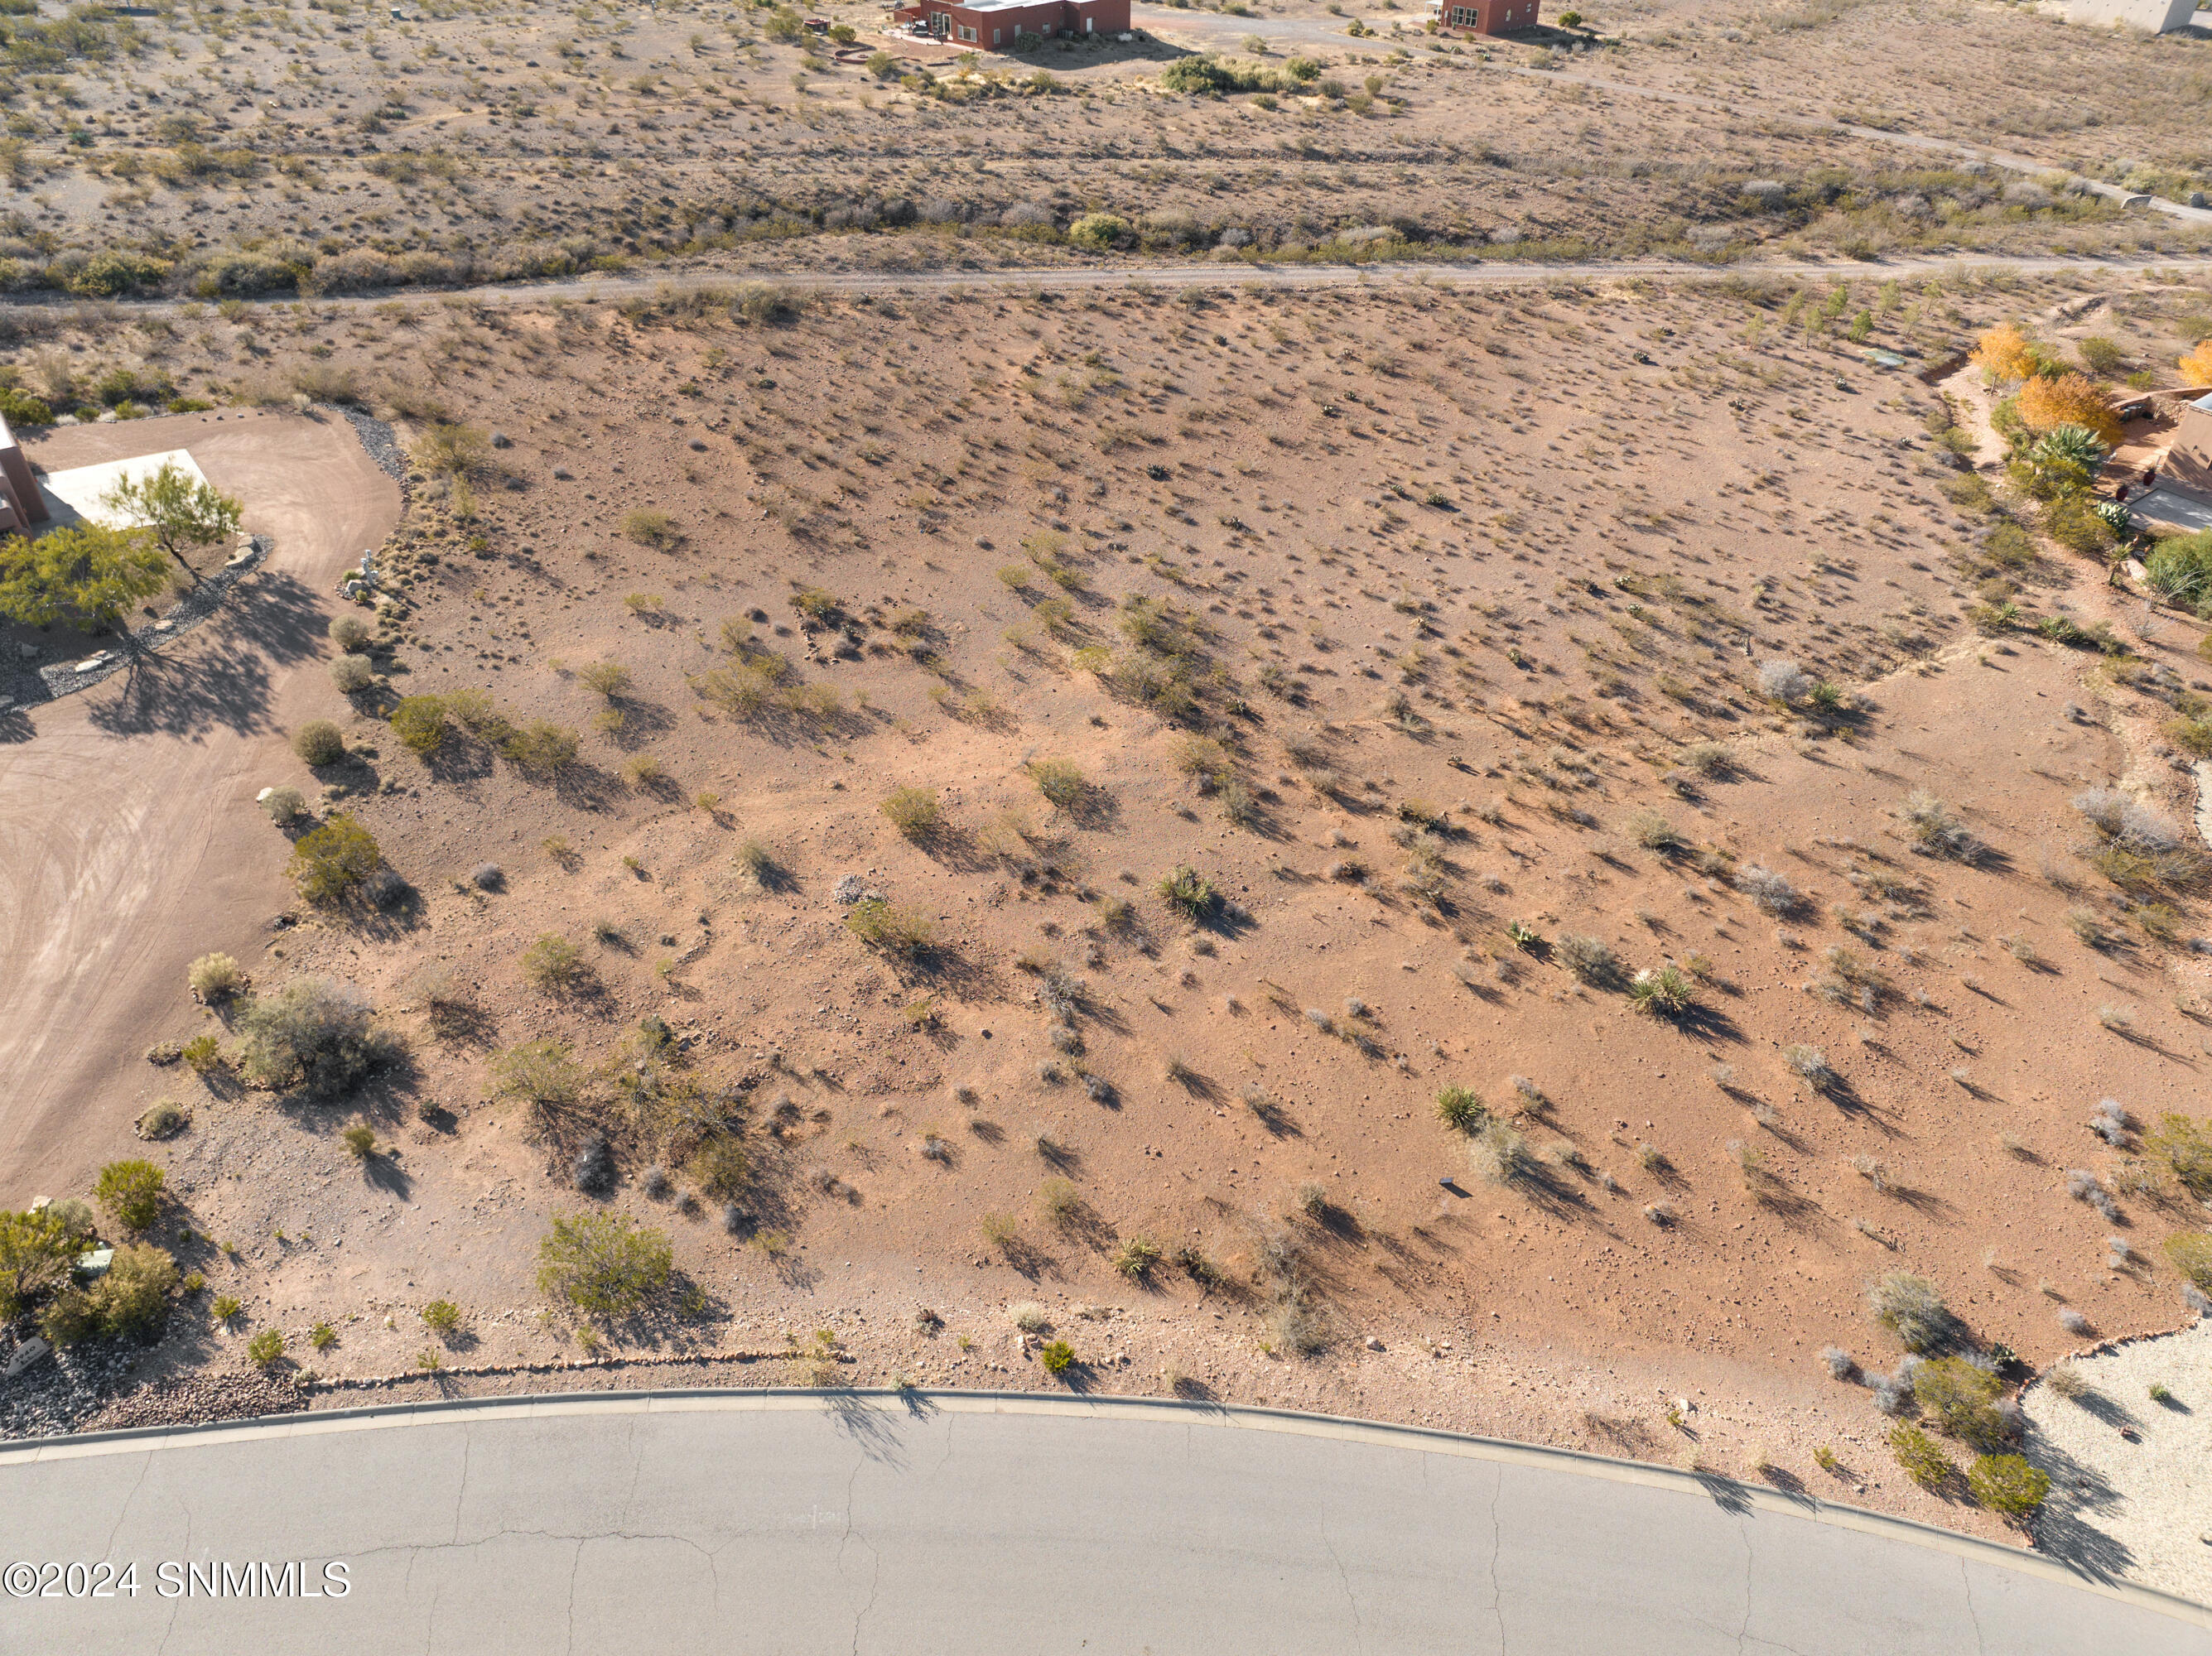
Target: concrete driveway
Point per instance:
(805, 1522)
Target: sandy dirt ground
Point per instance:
(1398, 614)
(120, 825)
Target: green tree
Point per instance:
(174, 512)
(131, 1296)
(83, 572)
(36, 1250)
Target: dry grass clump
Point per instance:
(893, 928)
(1772, 893)
(1934, 831)
(214, 977)
(1912, 1309)
(915, 814)
(1590, 960)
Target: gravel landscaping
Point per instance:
(2131, 1473)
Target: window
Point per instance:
(995, 34)
(1466, 17)
(964, 32)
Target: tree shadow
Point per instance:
(2062, 1529)
(15, 725)
(223, 679)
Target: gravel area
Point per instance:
(197, 1399)
(383, 447)
(2131, 1474)
(63, 1390)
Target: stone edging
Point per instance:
(696, 1359)
(380, 1416)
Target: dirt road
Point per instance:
(127, 827)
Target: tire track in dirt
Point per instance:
(126, 824)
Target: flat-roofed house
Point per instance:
(998, 25)
(1482, 17)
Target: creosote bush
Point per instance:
(314, 1033)
(335, 860)
(419, 722)
(131, 1298)
(907, 933)
(554, 965)
(914, 813)
(131, 1193)
(602, 1265)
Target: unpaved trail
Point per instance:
(127, 829)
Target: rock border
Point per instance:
(558, 1366)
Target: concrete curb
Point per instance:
(1428, 1440)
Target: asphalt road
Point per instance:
(797, 1523)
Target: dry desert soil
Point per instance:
(988, 813)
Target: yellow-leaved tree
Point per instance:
(2002, 354)
(2072, 399)
(2196, 367)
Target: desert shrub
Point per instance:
(604, 1265)
(352, 674)
(1098, 231)
(895, 929)
(266, 1347)
(130, 1298)
(36, 1253)
(1461, 1109)
(318, 743)
(1665, 992)
(331, 862)
(1590, 960)
(719, 1166)
(131, 1193)
(2008, 1485)
(541, 748)
(1960, 1400)
(163, 1119)
(1921, 1456)
(1499, 1155)
(1136, 1257)
(360, 1140)
(1910, 1307)
(1772, 893)
(350, 633)
(759, 862)
(441, 1317)
(474, 711)
(1654, 832)
(554, 965)
(609, 678)
(2180, 568)
(1813, 1064)
(1058, 1357)
(283, 804)
(419, 722)
(1783, 680)
(542, 1073)
(202, 1052)
(450, 450)
(314, 1033)
(1059, 781)
(1935, 832)
(1190, 893)
(2191, 1254)
(654, 529)
(914, 813)
(214, 977)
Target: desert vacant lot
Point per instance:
(1490, 856)
(1432, 633)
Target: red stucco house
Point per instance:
(1482, 17)
(995, 25)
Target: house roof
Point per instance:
(2204, 402)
